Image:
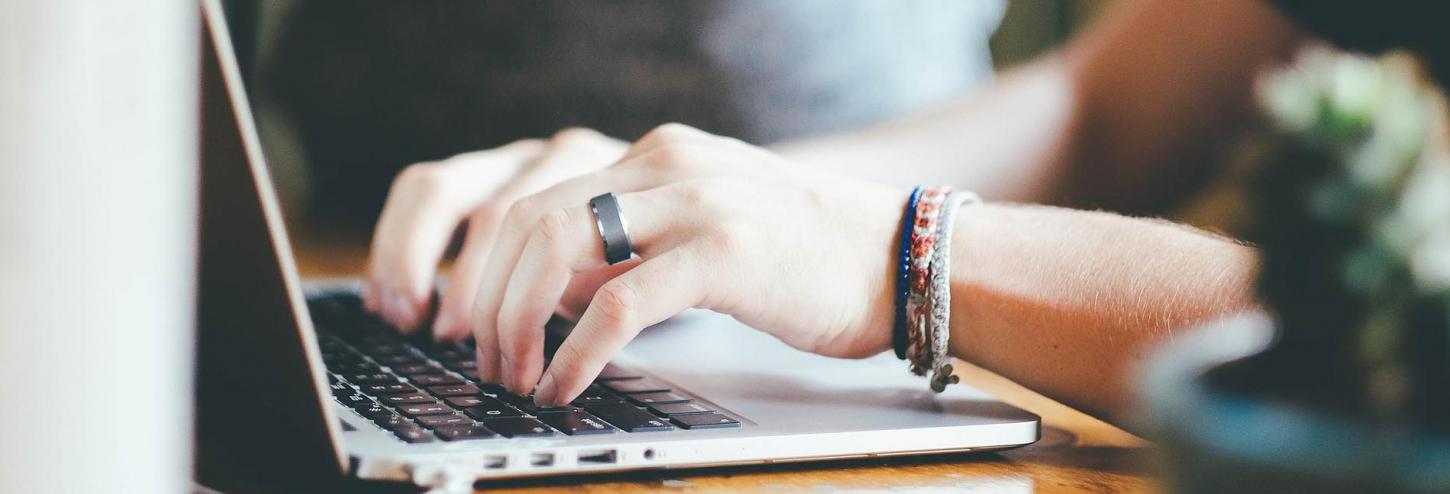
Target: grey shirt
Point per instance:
(372, 85)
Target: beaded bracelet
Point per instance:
(903, 273)
(923, 243)
(941, 292)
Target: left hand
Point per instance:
(717, 224)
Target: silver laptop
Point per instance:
(298, 389)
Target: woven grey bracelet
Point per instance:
(940, 291)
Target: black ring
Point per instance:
(612, 228)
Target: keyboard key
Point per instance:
(611, 373)
(371, 378)
(354, 368)
(629, 417)
(657, 398)
(425, 409)
(355, 400)
(576, 423)
(411, 370)
(373, 411)
(414, 435)
(466, 401)
(465, 367)
(394, 388)
(595, 394)
(381, 349)
(672, 409)
(519, 427)
(408, 399)
(636, 386)
(341, 389)
(705, 421)
(435, 379)
(393, 422)
(464, 432)
(491, 408)
(436, 421)
(528, 406)
(455, 390)
(401, 359)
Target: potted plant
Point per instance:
(1346, 386)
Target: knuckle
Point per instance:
(553, 226)
(669, 132)
(572, 136)
(521, 214)
(617, 301)
(423, 177)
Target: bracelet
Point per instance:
(923, 243)
(903, 271)
(941, 292)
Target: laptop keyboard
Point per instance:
(423, 391)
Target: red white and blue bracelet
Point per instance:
(926, 270)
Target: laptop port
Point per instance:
(598, 457)
(495, 462)
(541, 459)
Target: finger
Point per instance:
(655, 290)
(424, 207)
(456, 297)
(565, 242)
(665, 135)
(518, 225)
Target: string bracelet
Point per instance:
(903, 275)
(918, 309)
(940, 292)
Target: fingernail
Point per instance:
(544, 395)
(404, 311)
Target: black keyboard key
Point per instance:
(393, 422)
(646, 399)
(408, 399)
(519, 427)
(401, 359)
(435, 379)
(629, 417)
(454, 390)
(394, 388)
(576, 423)
(452, 354)
(491, 408)
(636, 386)
(465, 432)
(436, 421)
(354, 368)
(373, 411)
(672, 409)
(595, 394)
(414, 435)
(611, 373)
(425, 409)
(371, 378)
(528, 406)
(467, 401)
(705, 421)
(355, 400)
(381, 349)
(341, 389)
(465, 367)
(411, 370)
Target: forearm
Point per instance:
(1127, 116)
(1068, 303)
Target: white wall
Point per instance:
(98, 159)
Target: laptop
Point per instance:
(300, 389)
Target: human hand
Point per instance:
(428, 202)
(717, 224)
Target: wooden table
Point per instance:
(1077, 453)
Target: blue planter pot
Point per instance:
(1216, 441)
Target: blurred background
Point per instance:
(348, 93)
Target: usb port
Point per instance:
(541, 459)
(495, 462)
(598, 457)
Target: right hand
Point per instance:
(428, 202)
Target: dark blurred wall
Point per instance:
(365, 87)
